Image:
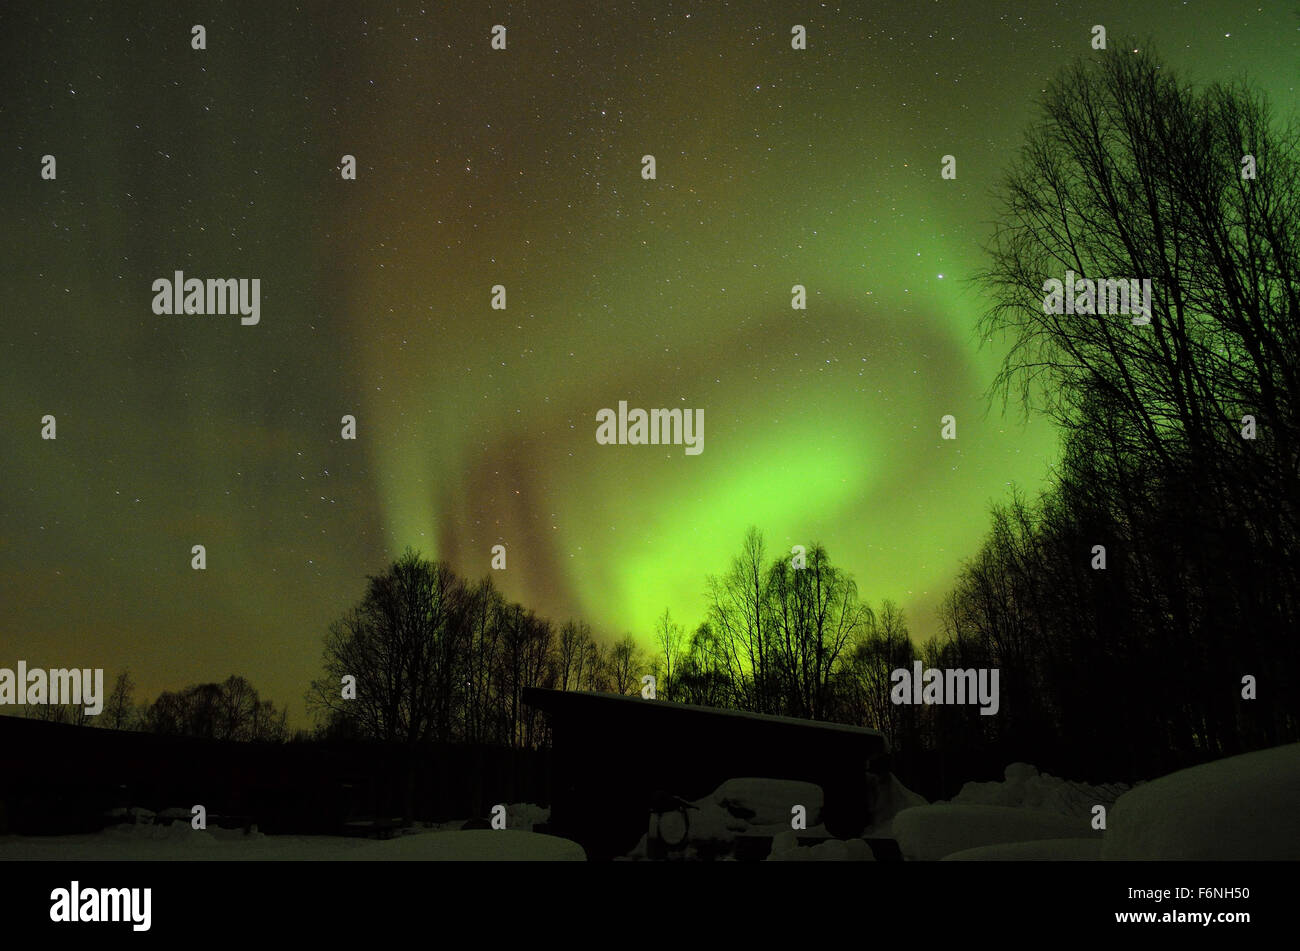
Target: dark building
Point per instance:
(613, 756)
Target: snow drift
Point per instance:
(1242, 807)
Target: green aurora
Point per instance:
(476, 427)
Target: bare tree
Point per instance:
(227, 711)
(402, 645)
(669, 637)
(883, 646)
(816, 614)
(119, 711)
(571, 653)
(625, 666)
(1181, 432)
(739, 613)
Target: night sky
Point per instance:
(476, 426)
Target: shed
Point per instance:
(612, 756)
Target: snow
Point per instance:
(181, 814)
(756, 802)
(1042, 850)
(786, 848)
(1028, 810)
(1026, 787)
(743, 806)
(147, 841)
(928, 833)
(473, 845)
(1241, 807)
(175, 842)
(181, 843)
(749, 806)
(524, 816)
(756, 806)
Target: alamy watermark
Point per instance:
(1105, 296)
(75, 903)
(949, 685)
(656, 427)
(181, 295)
(56, 686)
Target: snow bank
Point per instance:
(766, 802)
(524, 816)
(175, 843)
(1242, 807)
(928, 833)
(1043, 850)
(786, 848)
(1030, 815)
(748, 805)
(1026, 787)
(472, 845)
(143, 835)
(742, 806)
(179, 842)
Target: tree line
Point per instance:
(230, 710)
(433, 658)
(436, 658)
(1145, 604)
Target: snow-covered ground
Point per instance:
(929, 833)
(1029, 809)
(786, 848)
(1043, 850)
(1241, 807)
(146, 841)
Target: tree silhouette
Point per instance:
(1181, 457)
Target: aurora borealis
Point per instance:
(519, 167)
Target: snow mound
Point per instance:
(928, 833)
(746, 806)
(766, 802)
(524, 816)
(177, 832)
(1241, 807)
(749, 806)
(786, 848)
(710, 823)
(181, 843)
(1042, 850)
(1026, 787)
(472, 845)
